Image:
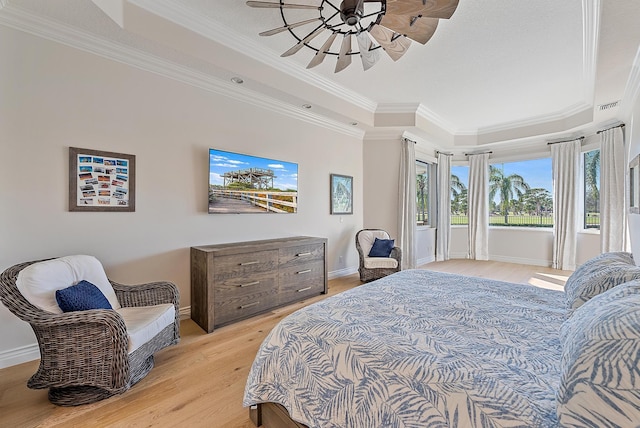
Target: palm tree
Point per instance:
(458, 189)
(422, 185)
(591, 176)
(506, 188)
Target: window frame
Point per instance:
(430, 191)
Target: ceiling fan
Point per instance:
(390, 23)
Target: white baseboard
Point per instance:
(426, 260)
(458, 255)
(507, 259)
(342, 272)
(521, 260)
(185, 313)
(19, 355)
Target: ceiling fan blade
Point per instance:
(415, 28)
(395, 48)
(369, 57)
(441, 9)
(301, 43)
(283, 5)
(286, 27)
(344, 59)
(322, 53)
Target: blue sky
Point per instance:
(221, 162)
(537, 172)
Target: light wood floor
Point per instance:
(200, 382)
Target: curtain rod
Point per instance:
(443, 153)
(480, 153)
(613, 127)
(406, 139)
(565, 141)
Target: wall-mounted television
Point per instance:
(245, 184)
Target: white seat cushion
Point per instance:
(380, 262)
(145, 322)
(368, 237)
(39, 282)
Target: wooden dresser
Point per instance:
(230, 282)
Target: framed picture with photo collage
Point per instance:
(101, 181)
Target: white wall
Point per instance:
(53, 97)
(523, 245)
(632, 131)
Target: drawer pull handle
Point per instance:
(249, 305)
(249, 263)
(303, 289)
(249, 284)
(304, 271)
(303, 254)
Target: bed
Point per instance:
(428, 349)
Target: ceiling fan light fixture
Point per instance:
(391, 23)
(351, 11)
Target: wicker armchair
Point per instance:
(84, 354)
(372, 268)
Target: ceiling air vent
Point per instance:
(608, 105)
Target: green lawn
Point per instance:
(593, 220)
(513, 220)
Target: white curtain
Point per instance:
(478, 202)
(407, 212)
(565, 159)
(612, 191)
(443, 191)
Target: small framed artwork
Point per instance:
(101, 181)
(341, 194)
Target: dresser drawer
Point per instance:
(238, 286)
(302, 276)
(293, 256)
(244, 265)
(300, 282)
(239, 306)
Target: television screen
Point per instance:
(244, 184)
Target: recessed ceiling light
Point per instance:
(237, 80)
(307, 106)
(354, 124)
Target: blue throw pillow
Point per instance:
(81, 297)
(381, 248)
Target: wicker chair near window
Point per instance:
(372, 268)
(90, 355)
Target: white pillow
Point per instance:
(368, 237)
(600, 374)
(38, 282)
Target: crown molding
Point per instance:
(590, 36)
(220, 33)
(632, 88)
(537, 120)
(384, 134)
(403, 108)
(19, 19)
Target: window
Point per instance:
(423, 185)
(520, 194)
(459, 183)
(592, 189)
